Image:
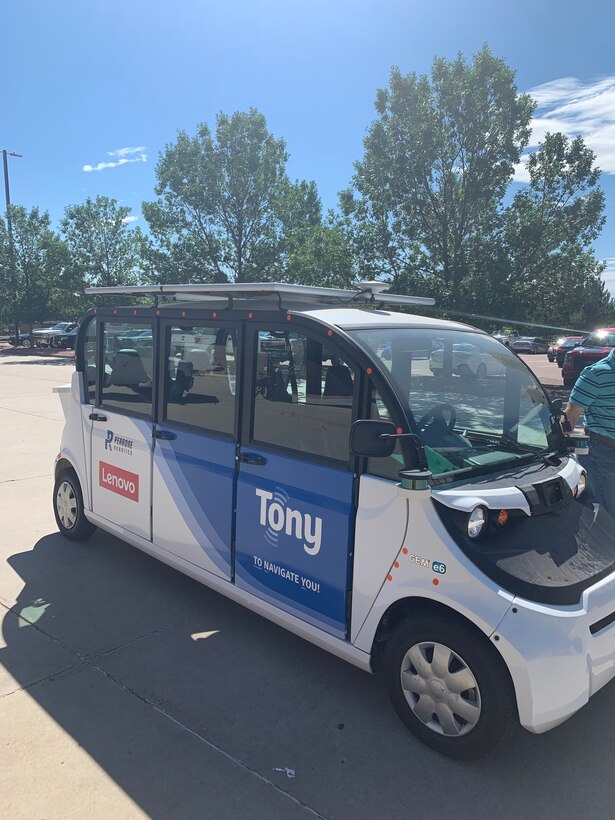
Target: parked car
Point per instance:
(566, 346)
(529, 344)
(467, 362)
(44, 336)
(555, 346)
(594, 348)
(24, 340)
(66, 339)
(507, 337)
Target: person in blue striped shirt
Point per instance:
(593, 395)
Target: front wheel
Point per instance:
(449, 686)
(26, 343)
(69, 509)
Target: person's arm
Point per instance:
(573, 414)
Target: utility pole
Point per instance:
(9, 225)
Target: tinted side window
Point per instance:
(200, 377)
(304, 393)
(128, 356)
(90, 362)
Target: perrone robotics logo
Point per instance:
(277, 517)
(118, 443)
(118, 481)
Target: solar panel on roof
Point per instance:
(370, 292)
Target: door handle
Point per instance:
(97, 417)
(253, 458)
(165, 435)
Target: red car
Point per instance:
(555, 346)
(595, 347)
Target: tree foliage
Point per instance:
(427, 202)
(31, 284)
(221, 201)
(104, 250)
(548, 231)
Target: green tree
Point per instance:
(549, 228)
(39, 261)
(437, 162)
(104, 249)
(218, 196)
(320, 255)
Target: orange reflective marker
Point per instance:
(329, 333)
(389, 577)
(405, 551)
(435, 582)
(396, 564)
(502, 517)
(369, 371)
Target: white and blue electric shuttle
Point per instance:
(391, 487)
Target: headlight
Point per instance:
(477, 522)
(581, 486)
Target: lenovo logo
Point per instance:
(118, 481)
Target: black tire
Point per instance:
(569, 382)
(26, 343)
(67, 486)
(493, 696)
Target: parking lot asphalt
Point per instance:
(128, 690)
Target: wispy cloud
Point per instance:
(130, 219)
(577, 109)
(124, 157)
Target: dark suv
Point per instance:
(593, 348)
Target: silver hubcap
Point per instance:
(66, 505)
(441, 689)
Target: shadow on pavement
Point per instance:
(144, 668)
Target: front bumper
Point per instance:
(559, 657)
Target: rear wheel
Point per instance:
(68, 508)
(449, 686)
(26, 343)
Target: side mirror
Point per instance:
(556, 407)
(365, 438)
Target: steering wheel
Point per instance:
(438, 412)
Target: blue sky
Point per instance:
(84, 81)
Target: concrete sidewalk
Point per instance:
(128, 690)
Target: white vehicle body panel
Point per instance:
(401, 550)
(121, 471)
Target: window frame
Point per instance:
(319, 333)
(103, 320)
(80, 363)
(164, 343)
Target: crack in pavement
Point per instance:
(25, 478)
(21, 412)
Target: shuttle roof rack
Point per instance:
(286, 294)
